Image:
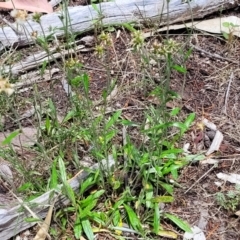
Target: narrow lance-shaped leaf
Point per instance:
(113, 119)
(77, 228)
(54, 176)
(87, 229)
(156, 219)
(133, 219)
(10, 137)
(179, 222)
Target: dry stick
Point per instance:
(213, 55)
(200, 178)
(30, 211)
(227, 93)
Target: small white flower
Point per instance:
(19, 15)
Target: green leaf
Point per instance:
(48, 125)
(170, 168)
(179, 68)
(52, 107)
(179, 222)
(116, 218)
(226, 24)
(118, 204)
(175, 111)
(133, 219)
(110, 135)
(69, 192)
(149, 193)
(167, 187)
(179, 125)
(66, 187)
(25, 186)
(54, 175)
(86, 83)
(174, 151)
(156, 219)
(99, 217)
(163, 199)
(116, 184)
(113, 119)
(129, 27)
(193, 157)
(87, 229)
(86, 201)
(225, 35)
(10, 137)
(69, 116)
(75, 82)
(189, 120)
(77, 228)
(87, 184)
(87, 210)
(31, 220)
(129, 123)
(187, 54)
(62, 169)
(98, 194)
(174, 172)
(43, 68)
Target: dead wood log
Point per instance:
(12, 221)
(84, 18)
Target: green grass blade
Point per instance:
(179, 222)
(87, 229)
(10, 137)
(113, 119)
(133, 219)
(77, 228)
(54, 176)
(156, 218)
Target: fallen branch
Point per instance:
(12, 221)
(84, 18)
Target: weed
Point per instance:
(231, 28)
(146, 150)
(230, 200)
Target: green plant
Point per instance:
(147, 150)
(230, 200)
(231, 28)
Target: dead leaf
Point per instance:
(28, 5)
(216, 143)
(43, 231)
(197, 234)
(231, 177)
(168, 234)
(237, 213)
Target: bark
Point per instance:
(84, 18)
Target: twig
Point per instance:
(227, 93)
(200, 178)
(213, 55)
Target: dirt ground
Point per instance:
(205, 93)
